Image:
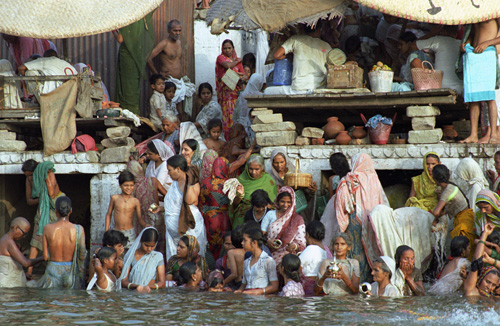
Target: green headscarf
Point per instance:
(488, 197)
(265, 182)
(40, 191)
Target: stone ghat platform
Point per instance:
(315, 158)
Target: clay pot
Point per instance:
(359, 132)
(333, 127)
(449, 132)
(318, 141)
(343, 138)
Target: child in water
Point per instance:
(104, 265)
(214, 127)
(215, 281)
(122, 208)
(290, 270)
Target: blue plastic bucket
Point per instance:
(282, 72)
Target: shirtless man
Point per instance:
(483, 35)
(34, 190)
(123, 206)
(63, 246)
(12, 259)
(235, 259)
(170, 51)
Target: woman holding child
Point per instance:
(226, 96)
(188, 250)
(143, 267)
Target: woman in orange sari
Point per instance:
(225, 95)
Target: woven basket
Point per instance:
(424, 79)
(298, 179)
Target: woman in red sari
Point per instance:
(215, 205)
(226, 96)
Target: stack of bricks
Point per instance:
(310, 135)
(423, 121)
(118, 145)
(8, 142)
(270, 130)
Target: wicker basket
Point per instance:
(298, 179)
(424, 79)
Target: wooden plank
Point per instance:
(17, 113)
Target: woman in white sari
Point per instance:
(143, 267)
(158, 153)
(188, 131)
(469, 177)
(182, 216)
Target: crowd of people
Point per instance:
(203, 224)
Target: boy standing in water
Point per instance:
(123, 206)
(480, 76)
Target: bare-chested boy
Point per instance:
(235, 259)
(123, 207)
(64, 249)
(12, 259)
(214, 127)
(482, 40)
(42, 189)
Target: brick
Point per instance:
(423, 123)
(268, 118)
(276, 138)
(7, 135)
(118, 141)
(262, 112)
(12, 146)
(278, 126)
(422, 111)
(115, 155)
(425, 136)
(302, 141)
(118, 132)
(259, 109)
(312, 132)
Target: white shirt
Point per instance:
(309, 58)
(311, 258)
(261, 274)
(160, 173)
(267, 220)
(447, 50)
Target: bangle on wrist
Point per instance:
(128, 286)
(156, 286)
(264, 291)
(481, 241)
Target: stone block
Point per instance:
(93, 156)
(422, 111)
(302, 141)
(12, 146)
(118, 132)
(312, 132)
(423, 123)
(276, 138)
(261, 112)
(268, 118)
(259, 109)
(425, 136)
(7, 135)
(115, 155)
(278, 126)
(118, 141)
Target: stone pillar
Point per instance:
(423, 122)
(102, 186)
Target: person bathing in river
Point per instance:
(408, 278)
(123, 206)
(453, 202)
(12, 259)
(187, 251)
(235, 259)
(346, 279)
(384, 269)
(451, 278)
(488, 204)
(290, 270)
(104, 265)
(481, 281)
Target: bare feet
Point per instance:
(470, 139)
(484, 140)
(493, 140)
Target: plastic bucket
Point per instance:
(381, 80)
(282, 72)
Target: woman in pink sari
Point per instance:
(225, 95)
(357, 194)
(285, 225)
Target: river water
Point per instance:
(179, 307)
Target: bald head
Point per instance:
(20, 222)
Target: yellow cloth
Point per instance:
(425, 189)
(464, 225)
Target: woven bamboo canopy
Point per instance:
(70, 18)
(270, 15)
(444, 12)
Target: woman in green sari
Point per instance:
(254, 177)
(423, 189)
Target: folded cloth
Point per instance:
(230, 188)
(480, 74)
(376, 119)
